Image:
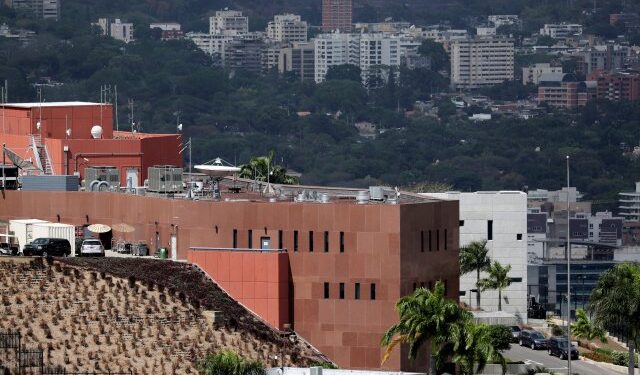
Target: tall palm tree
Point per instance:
(425, 316)
(585, 328)
(229, 363)
(262, 168)
(616, 298)
(498, 279)
(474, 257)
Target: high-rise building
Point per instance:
(244, 53)
(335, 49)
(605, 57)
(565, 91)
(228, 22)
(287, 28)
(211, 44)
(46, 9)
(116, 29)
(378, 52)
(337, 15)
(561, 30)
(299, 59)
(622, 85)
(531, 74)
(480, 62)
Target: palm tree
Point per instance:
(425, 316)
(262, 168)
(616, 299)
(498, 280)
(473, 257)
(585, 328)
(471, 347)
(229, 363)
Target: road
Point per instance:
(543, 359)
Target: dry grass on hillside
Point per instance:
(93, 321)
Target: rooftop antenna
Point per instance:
(115, 93)
(131, 115)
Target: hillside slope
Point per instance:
(85, 318)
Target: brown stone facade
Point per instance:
(347, 263)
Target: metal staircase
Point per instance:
(43, 159)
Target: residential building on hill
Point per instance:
(607, 58)
(335, 49)
(565, 91)
(44, 9)
(337, 15)
(287, 28)
(504, 19)
(481, 62)
(116, 29)
(228, 22)
(531, 74)
(561, 30)
(169, 30)
(299, 59)
(621, 85)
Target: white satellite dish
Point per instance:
(68, 131)
(217, 169)
(180, 128)
(38, 125)
(96, 132)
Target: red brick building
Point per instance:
(337, 15)
(332, 271)
(624, 85)
(63, 138)
(563, 90)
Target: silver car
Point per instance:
(92, 247)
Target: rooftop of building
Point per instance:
(52, 104)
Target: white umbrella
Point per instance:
(123, 228)
(99, 228)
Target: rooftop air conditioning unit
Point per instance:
(108, 174)
(165, 179)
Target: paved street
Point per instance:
(542, 358)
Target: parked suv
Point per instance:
(515, 333)
(48, 246)
(533, 339)
(92, 247)
(558, 347)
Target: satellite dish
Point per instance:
(38, 125)
(68, 132)
(217, 169)
(96, 132)
(180, 128)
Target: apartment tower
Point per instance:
(337, 15)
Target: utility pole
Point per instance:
(568, 272)
(115, 92)
(131, 115)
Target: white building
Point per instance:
(335, 49)
(561, 30)
(376, 51)
(228, 22)
(531, 74)
(116, 29)
(501, 219)
(486, 30)
(481, 62)
(210, 44)
(503, 19)
(630, 205)
(443, 36)
(287, 28)
(46, 9)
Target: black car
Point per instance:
(515, 333)
(532, 339)
(558, 347)
(48, 247)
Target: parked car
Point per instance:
(8, 249)
(59, 247)
(533, 339)
(92, 247)
(558, 347)
(515, 332)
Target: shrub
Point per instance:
(500, 337)
(598, 357)
(228, 363)
(556, 330)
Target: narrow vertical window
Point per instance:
(295, 240)
(342, 242)
(430, 246)
(280, 240)
(357, 295)
(415, 286)
(326, 242)
(341, 290)
(326, 290)
(373, 291)
(250, 239)
(235, 239)
(446, 239)
(422, 241)
(311, 241)
(438, 240)
(446, 288)
(490, 230)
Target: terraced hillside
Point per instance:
(95, 315)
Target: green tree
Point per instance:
(585, 328)
(498, 279)
(425, 316)
(501, 337)
(616, 299)
(344, 72)
(471, 346)
(229, 363)
(262, 168)
(437, 53)
(474, 257)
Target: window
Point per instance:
(438, 240)
(430, 284)
(326, 290)
(280, 244)
(311, 241)
(446, 288)
(250, 239)
(373, 291)
(295, 240)
(326, 242)
(430, 248)
(341, 290)
(519, 236)
(422, 241)
(415, 286)
(342, 242)
(235, 238)
(445, 239)
(489, 230)
(461, 223)
(357, 294)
